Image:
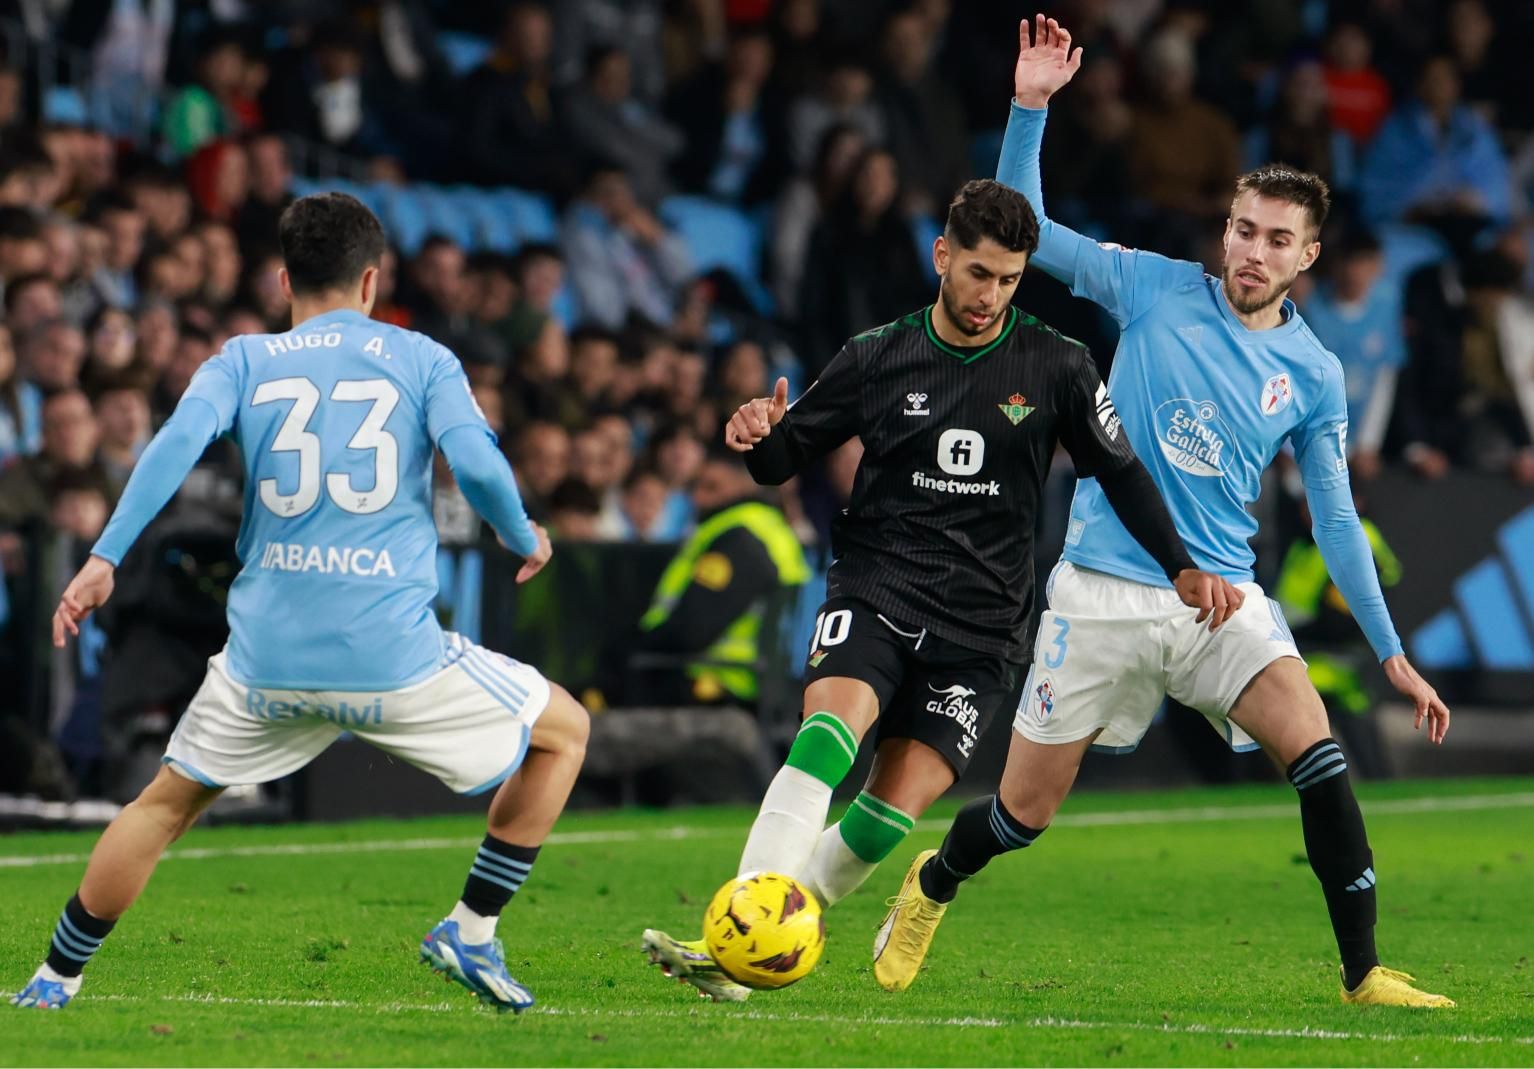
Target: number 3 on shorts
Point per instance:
(1057, 655)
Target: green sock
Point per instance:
(872, 828)
(824, 748)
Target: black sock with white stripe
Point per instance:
(982, 830)
(1339, 853)
(498, 872)
(76, 939)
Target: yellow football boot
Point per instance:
(1387, 987)
(906, 934)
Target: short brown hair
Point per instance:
(1282, 182)
(985, 208)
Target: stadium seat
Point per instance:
(720, 236)
(463, 51)
(924, 231)
(404, 216)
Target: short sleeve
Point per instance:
(1089, 426)
(219, 382)
(1321, 442)
(449, 398)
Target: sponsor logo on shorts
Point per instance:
(954, 704)
(816, 658)
(263, 706)
(1045, 693)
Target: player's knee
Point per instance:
(565, 726)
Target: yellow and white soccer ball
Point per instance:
(765, 930)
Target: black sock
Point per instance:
(76, 938)
(982, 830)
(497, 874)
(1339, 853)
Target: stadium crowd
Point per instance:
(135, 239)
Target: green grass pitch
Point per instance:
(1145, 929)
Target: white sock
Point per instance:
(793, 812)
(471, 926)
(53, 976)
(835, 871)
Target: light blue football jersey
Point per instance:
(337, 420)
(1207, 403)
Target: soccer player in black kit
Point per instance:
(925, 629)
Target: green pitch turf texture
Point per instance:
(1145, 929)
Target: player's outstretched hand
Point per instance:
(88, 590)
(755, 419)
(1044, 64)
(538, 557)
(1430, 707)
(1215, 599)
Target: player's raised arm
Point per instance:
(1125, 282)
(779, 438)
(205, 411)
(1321, 450)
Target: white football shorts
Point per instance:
(1109, 649)
(468, 724)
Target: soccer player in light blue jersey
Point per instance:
(1212, 377)
(330, 619)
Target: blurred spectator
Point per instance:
(1435, 159)
(843, 97)
(218, 175)
(923, 116)
(593, 366)
(1085, 159)
(574, 511)
(1358, 94)
(52, 354)
(623, 263)
(125, 227)
(158, 330)
(270, 176)
(110, 340)
(542, 461)
(409, 80)
(28, 178)
(69, 445)
(439, 292)
(1484, 83)
(601, 460)
(222, 265)
(1467, 394)
(511, 135)
(21, 406)
(122, 416)
(161, 194)
(632, 25)
(644, 506)
(676, 452)
(1356, 313)
(1184, 154)
(730, 122)
(205, 110)
(607, 122)
(1298, 130)
(740, 376)
(799, 47)
(22, 249)
(319, 94)
(31, 301)
(863, 267)
(386, 306)
(803, 203)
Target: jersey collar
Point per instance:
(969, 356)
(347, 315)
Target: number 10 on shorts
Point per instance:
(831, 629)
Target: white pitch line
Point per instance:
(736, 1013)
(1191, 815)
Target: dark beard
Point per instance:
(1247, 306)
(955, 314)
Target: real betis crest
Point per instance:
(1016, 409)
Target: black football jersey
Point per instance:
(957, 443)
